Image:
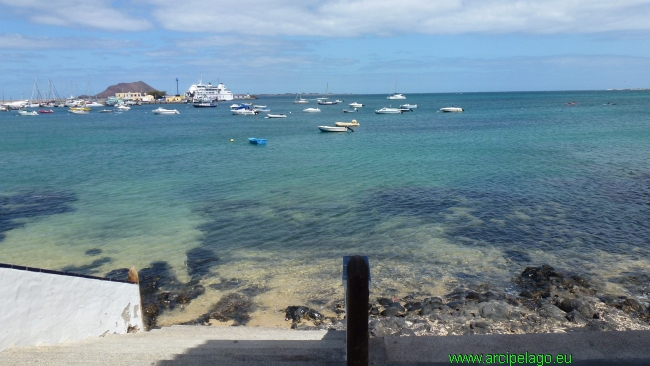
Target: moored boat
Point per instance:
(78, 111)
(354, 123)
(162, 110)
(45, 111)
(311, 110)
(451, 109)
(350, 111)
(356, 105)
(204, 104)
(334, 129)
(244, 112)
(27, 113)
(409, 106)
(281, 115)
(299, 100)
(396, 96)
(122, 108)
(106, 111)
(387, 110)
(256, 141)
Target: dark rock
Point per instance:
(551, 311)
(455, 304)
(495, 310)
(576, 317)
(314, 315)
(631, 306)
(397, 306)
(392, 311)
(384, 301)
(429, 309)
(374, 311)
(471, 295)
(483, 325)
(295, 313)
(579, 305)
(433, 300)
(413, 306)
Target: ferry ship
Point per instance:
(209, 92)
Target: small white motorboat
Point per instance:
(162, 110)
(122, 108)
(350, 111)
(27, 113)
(334, 129)
(243, 112)
(93, 104)
(327, 102)
(106, 111)
(261, 108)
(409, 106)
(354, 123)
(311, 110)
(387, 110)
(451, 109)
(396, 96)
(241, 105)
(356, 105)
(281, 115)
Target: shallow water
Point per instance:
(436, 200)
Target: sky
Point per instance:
(346, 46)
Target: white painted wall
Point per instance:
(48, 308)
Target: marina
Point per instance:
(437, 201)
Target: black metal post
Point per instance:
(356, 299)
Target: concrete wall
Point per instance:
(50, 308)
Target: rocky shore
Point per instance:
(546, 301)
(540, 300)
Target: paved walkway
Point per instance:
(235, 346)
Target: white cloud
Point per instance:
(21, 42)
(351, 18)
(94, 14)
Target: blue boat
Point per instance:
(257, 141)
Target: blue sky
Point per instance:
(355, 46)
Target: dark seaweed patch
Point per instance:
(93, 252)
(606, 214)
(233, 306)
(27, 205)
(199, 261)
(121, 274)
(227, 284)
(517, 256)
(88, 268)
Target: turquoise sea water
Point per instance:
(436, 200)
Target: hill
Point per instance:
(135, 87)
